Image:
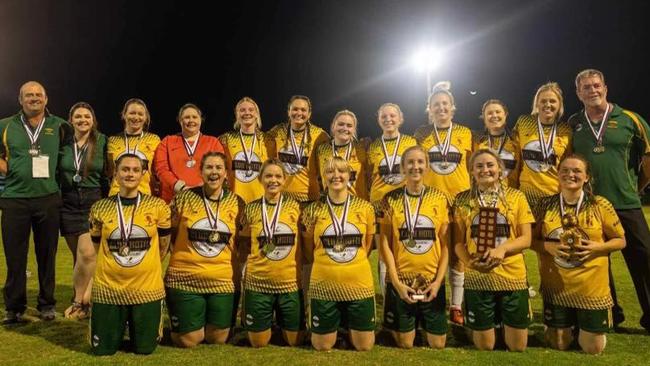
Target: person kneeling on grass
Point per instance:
(203, 272)
(491, 229)
(131, 233)
(414, 246)
(575, 233)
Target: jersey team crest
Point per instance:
(292, 165)
(201, 234)
(281, 245)
(246, 171)
(532, 156)
(444, 166)
(139, 244)
(423, 236)
(394, 176)
(345, 248)
(509, 161)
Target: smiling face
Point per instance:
(247, 116)
(441, 108)
(548, 106)
(592, 91)
(573, 174)
(337, 175)
(343, 129)
(213, 172)
(486, 170)
(494, 117)
(135, 118)
(390, 120)
(272, 179)
(33, 99)
(190, 120)
(129, 172)
(414, 165)
(299, 113)
(82, 120)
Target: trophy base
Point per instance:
(417, 297)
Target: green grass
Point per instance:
(64, 342)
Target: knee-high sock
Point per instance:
(382, 276)
(456, 280)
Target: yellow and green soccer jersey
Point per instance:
(534, 182)
(197, 264)
(384, 179)
(421, 256)
(275, 268)
(511, 274)
(509, 154)
(358, 162)
(577, 284)
(243, 175)
(144, 147)
(134, 277)
(450, 177)
(302, 179)
(340, 274)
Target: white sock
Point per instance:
(382, 276)
(456, 280)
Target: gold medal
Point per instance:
(268, 246)
(214, 237)
(339, 245)
(599, 149)
(124, 250)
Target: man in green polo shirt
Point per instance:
(616, 142)
(31, 200)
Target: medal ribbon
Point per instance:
(601, 130)
(213, 219)
(503, 136)
(563, 210)
(546, 147)
(482, 202)
(189, 149)
(411, 221)
(126, 229)
(339, 225)
(33, 136)
(248, 154)
(135, 148)
(78, 155)
(298, 152)
(269, 227)
(444, 148)
(390, 162)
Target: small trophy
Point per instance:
(570, 235)
(419, 284)
(487, 228)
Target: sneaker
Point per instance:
(456, 316)
(48, 315)
(13, 317)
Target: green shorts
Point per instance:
(485, 309)
(190, 311)
(259, 307)
(595, 321)
(402, 317)
(326, 316)
(107, 324)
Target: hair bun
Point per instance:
(442, 86)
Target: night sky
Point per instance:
(342, 54)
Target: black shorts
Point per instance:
(76, 210)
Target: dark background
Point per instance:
(342, 54)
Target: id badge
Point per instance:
(41, 166)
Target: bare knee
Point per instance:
(187, 340)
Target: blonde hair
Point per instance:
(338, 163)
(410, 150)
(250, 100)
(345, 112)
(555, 88)
(397, 108)
(137, 101)
(474, 194)
(441, 87)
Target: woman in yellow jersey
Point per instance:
(272, 279)
(575, 233)
(202, 278)
(498, 138)
(338, 234)
(294, 143)
(245, 148)
(135, 139)
(384, 157)
(131, 233)
(543, 139)
(449, 145)
(344, 144)
(491, 228)
(414, 237)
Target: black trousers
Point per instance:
(19, 215)
(637, 258)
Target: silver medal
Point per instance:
(190, 163)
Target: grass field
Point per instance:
(63, 342)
